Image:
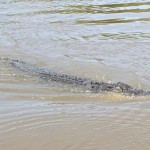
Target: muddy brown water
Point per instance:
(102, 40)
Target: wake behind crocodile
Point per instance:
(88, 84)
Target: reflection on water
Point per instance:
(108, 8)
(110, 21)
(102, 40)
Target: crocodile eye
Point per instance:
(109, 87)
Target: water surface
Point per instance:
(102, 40)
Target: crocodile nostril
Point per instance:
(92, 87)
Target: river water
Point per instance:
(99, 39)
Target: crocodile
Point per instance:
(88, 84)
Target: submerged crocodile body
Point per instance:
(88, 84)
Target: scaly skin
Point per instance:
(89, 84)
